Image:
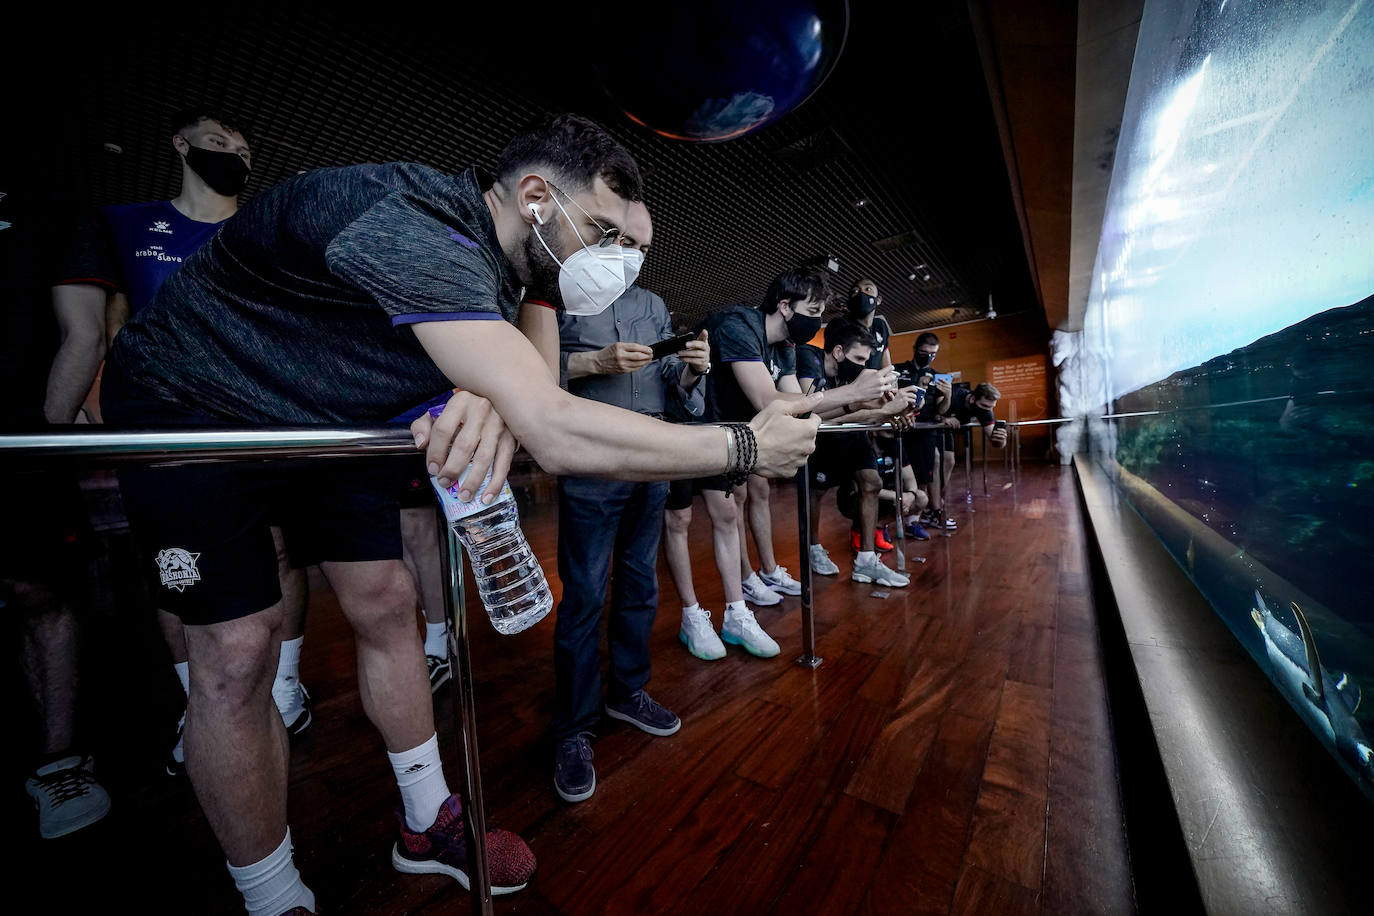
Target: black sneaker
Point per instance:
(643, 711)
(439, 672)
(176, 758)
(301, 721)
(573, 774)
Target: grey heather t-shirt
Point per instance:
(299, 310)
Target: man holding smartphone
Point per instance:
(976, 406)
(611, 358)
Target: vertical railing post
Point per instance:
(897, 494)
(460, 660)
(808, 657)
(968, 466)
(985, 458)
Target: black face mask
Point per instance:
(801, 328)
(847, 372)
(862, 304)
(225, 173)
(922, 360)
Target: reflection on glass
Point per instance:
(1230, 330)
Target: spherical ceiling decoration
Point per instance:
(712, 71)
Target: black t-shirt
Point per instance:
(737, 335)
(811, 365)
(962, 406)
(299, 309)
(881, 333)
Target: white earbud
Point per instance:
(534, 208)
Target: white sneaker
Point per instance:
(699, 636)
(878, 574)
(756, 592)
(741, 629)
(821, 564)
(67, 796)
(779, 581)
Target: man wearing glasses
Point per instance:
(346, 295)
(607, 358)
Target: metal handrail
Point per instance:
(174, 447)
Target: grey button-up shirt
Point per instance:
(638, 316)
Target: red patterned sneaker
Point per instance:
(441, 850)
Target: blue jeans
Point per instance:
(599, 519)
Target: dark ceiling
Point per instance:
(904, 124)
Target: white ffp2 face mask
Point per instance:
(593, 278)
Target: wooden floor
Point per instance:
(951, 755)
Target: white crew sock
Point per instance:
(865, 557)
(420, 776)
(286, 690)
(436, 639)
(736, 609)
(289, 662)
(694, 606)
(272, 886)
(183, 670)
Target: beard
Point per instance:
(542, 269)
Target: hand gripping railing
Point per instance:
(165, 448)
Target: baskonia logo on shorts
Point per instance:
(177, 567)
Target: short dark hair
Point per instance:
(578, 150)
(926, 337)
(845, 333)
(191, 117)
(795, 285)
(986, 390)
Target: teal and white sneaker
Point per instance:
(741, 629)
(699, 636)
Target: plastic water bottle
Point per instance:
(510, 581)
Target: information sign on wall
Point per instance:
(1021, 380)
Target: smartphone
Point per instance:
(671, 345)
(945, 376)
(1000, 424)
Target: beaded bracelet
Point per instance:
(745, 455)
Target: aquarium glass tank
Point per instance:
(1231, 332)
